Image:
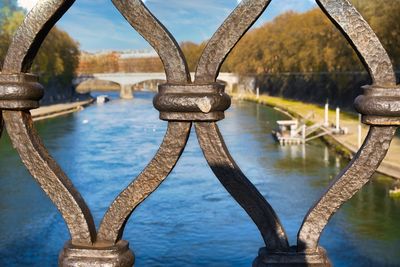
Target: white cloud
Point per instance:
(27, 4)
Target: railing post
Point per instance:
(292, 258)
(118, 255)
(182, 103)
(326, 115)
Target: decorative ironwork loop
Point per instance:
(192, 102)
(379, 105)
(20, 91)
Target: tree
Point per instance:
(192, 53)
(293, 42)
(383, 18)
(9, 22)
(7, 8)
(57, 59)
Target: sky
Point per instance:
(97, 25)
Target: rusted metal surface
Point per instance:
(363, 39)
(182, 103)
(267, 258)
(20, 91)
(192, 102)
(228, 34)
(241, 189)
(367, 160)
(379, 105)
(50, 176)
(112, 226)
(23, 94)
(115, 256)
(346, 185)
(136, 13)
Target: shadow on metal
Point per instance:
(182, 102)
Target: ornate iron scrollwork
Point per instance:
(182, 102)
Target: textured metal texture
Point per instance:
(363, 39)
(210, 139)
(348, 182)
(111, 228)
(192, 102)
(379, 105)
(267, 258)
(115, 256)
(136, 13)
(20, 91)
(377, 143)
(227, 35)
(182, 102)
(50, 176)
(241, 189)
(41, 165)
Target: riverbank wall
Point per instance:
(344, 145)
(339, 89)
(56, 110)
(59, 99)
(55, 92)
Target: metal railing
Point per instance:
(183, 103)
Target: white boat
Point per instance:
(101, 99)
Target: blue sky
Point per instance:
(97, 25)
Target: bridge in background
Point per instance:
(127, 80)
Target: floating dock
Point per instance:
(292, 132)
(288, 133)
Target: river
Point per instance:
(190, 220)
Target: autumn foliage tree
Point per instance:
(58, 57)
(303, 56)
(112, 62)
(307, 42)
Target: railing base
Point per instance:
(292, 259)
(116, 256)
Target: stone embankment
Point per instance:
(58, 109)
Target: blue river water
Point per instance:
(190, 220)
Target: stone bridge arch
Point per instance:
(94, 84)
(127, 80)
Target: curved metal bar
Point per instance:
(360, 35)
(136, 13)
(112, 226)
(241, 189)
(23, 49)
(363, 39)
(346, 185)
(50, 177)
(226, 37)
(31, 34)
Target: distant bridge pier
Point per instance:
(126, 91)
